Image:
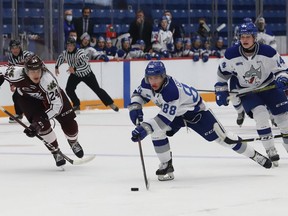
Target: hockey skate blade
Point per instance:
(84, 160)
(167, 177)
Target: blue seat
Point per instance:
(7, 29)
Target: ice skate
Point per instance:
(76, 148)
(240, 118)
(59, 159)
(262, 160)
(11, 120)
(273, 156)
(165, 171)
(114, 107)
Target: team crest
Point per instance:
(253, 76)
(51, 86)
(10, 71)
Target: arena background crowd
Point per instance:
(40, 25)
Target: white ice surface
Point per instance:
(210, 180)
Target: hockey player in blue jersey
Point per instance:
(180, 106)
(251, 65)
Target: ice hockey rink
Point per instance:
(210, 180)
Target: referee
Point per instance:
(80, 71)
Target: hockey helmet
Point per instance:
(140, 42)
(71, 40)
(15, 43)
(33, 62)
(248, 28)
(155, 68)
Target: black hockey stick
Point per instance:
(74, 162)
(142, 162)
(228, 140)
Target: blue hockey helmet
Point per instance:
(140, 42)
(155, 68)
(248, 28)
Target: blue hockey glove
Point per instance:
(221, 91)
(170, 47)
(282, 82)
(141, 131)
(34, 129)
(148, 56)
(196, 57)
(135, 112)
(104, 57)
(165, 54)
(205, 57)
(157, 56)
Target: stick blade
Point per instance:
(84, 160)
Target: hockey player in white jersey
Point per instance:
(180, 106)
(251, 65)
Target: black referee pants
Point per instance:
(91, 81)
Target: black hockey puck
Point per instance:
(134, 189)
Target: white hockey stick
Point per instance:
(74, 162)
(228, 140)
(220, 27)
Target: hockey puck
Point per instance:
(134, 189)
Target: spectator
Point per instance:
(141, 29)
(68, 23)
(110, 49)
(219, 49)
(100, 45)
(138, 51)
(16, 57)
(124, 52)
(162, 39)
(203, 29)
(80, 71)
(179, 49)
(90, 51)
(198, 50)
(265, 36)
(84, 24)
(187, 52)
(73, 34)
(175, 28)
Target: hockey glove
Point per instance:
(170, 47)
(141, 131)
(135, 112)
(165, 54)
(196, 57)
(205, 57)
(148, 56)
(34, 129)
(221, 91)
(282, 82)
(104, 57)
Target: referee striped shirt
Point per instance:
(18, 60)
(76, 59)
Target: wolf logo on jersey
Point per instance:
(253, 75)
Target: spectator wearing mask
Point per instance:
(68, 23)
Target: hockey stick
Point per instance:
(142, 162)
(74, 162)
(230, 141)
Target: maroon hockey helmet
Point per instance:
(33, 62)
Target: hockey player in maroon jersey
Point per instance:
(41, 99)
